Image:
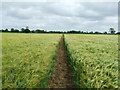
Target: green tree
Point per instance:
(27, 30)
(6, 30)
(22, 30)
(16, 30)
(112, 31)
(105, 32)
(12, 29)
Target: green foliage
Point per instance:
(94, 59)
(28, 59)
(112, 31)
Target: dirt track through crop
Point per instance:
(61, 77)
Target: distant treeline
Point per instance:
(27, 30)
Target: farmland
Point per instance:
(28, 59)
(94, 59)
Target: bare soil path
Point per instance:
(61, 77)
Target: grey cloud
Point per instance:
(60, 16)
(104, 8)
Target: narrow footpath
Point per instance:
(62, 76)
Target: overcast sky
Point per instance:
(84, 16)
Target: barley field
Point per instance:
(28, 59)
(94, 59)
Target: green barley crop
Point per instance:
(28, 59)
(94, 59)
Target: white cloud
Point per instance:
(60, 0)
(111, 19)
(60, 16)
(92, 13)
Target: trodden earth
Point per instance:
(61, 76)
